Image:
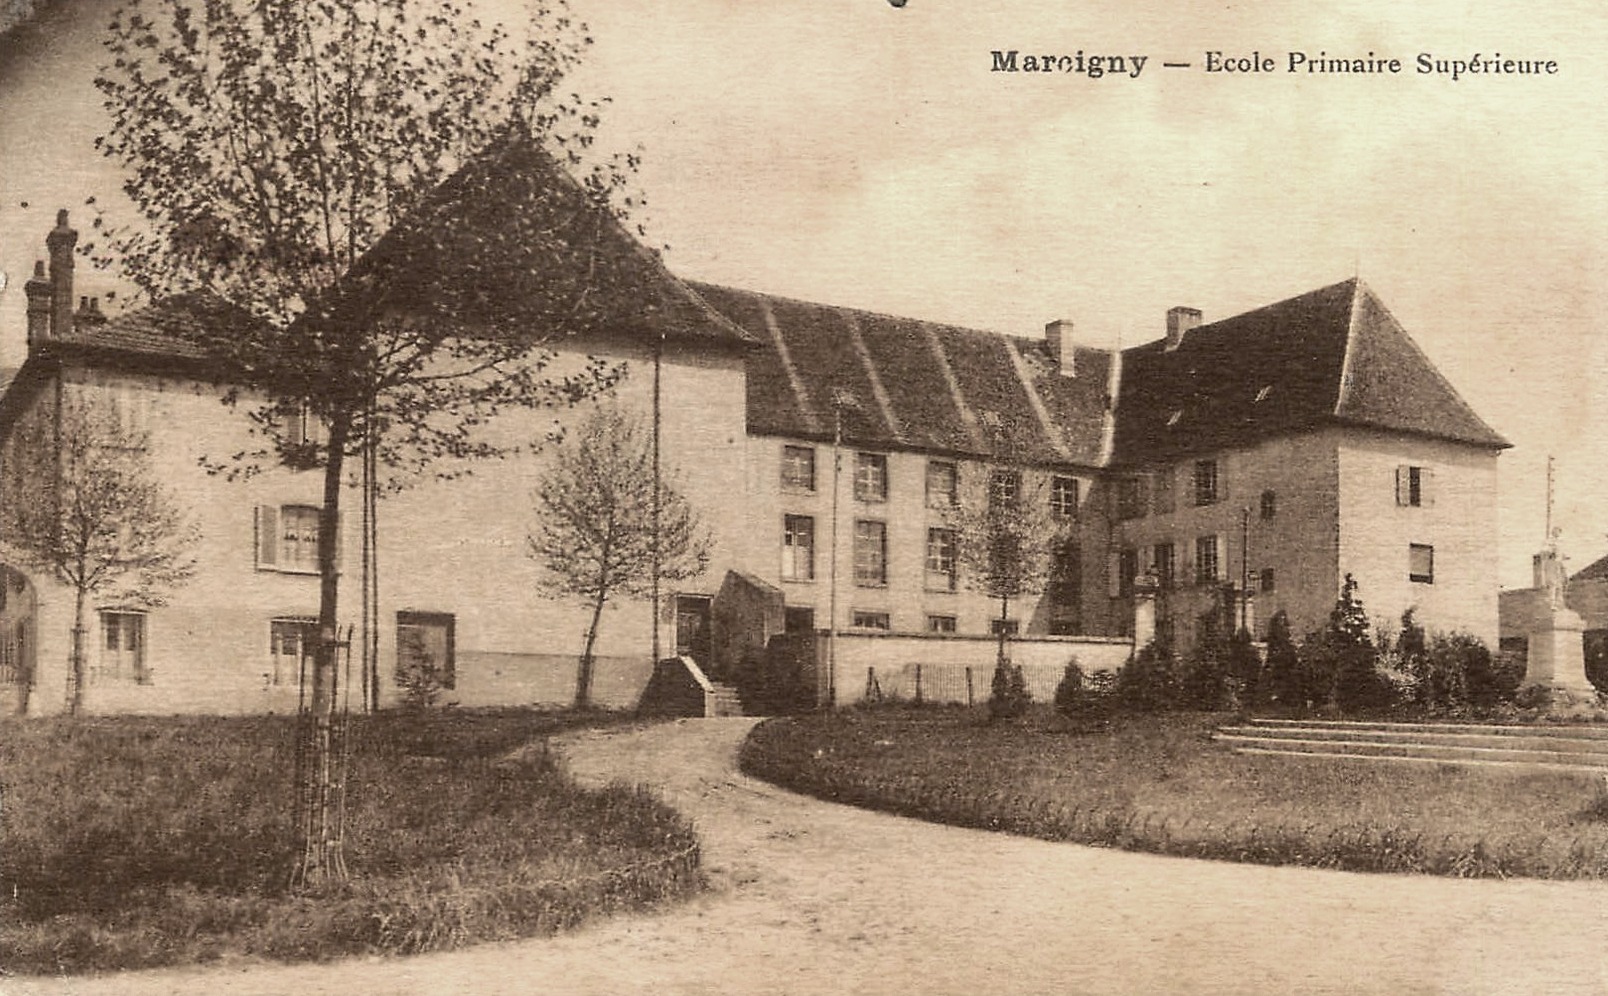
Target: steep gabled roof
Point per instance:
(513, 241)
(1330, 355)
(901, 383)
(1597, 570)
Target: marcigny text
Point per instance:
(1306, 63)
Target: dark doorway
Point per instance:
(800, 619)
(692, 627)
(425, 641)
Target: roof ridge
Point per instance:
(694, 283)
(1429, 364)
(1344, 392)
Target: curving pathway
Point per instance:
(811, 897)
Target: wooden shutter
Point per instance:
(1404, 484)
(1426, 487)
(340, 522)
(267, 535)
(1114, 575)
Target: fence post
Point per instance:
(870, 680)
(969, 700)
(918, 684)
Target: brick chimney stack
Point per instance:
(1058, 336)
(1179, 321)
(60, 243)
(37, 290)
(89, 313)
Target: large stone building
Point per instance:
(823, 446)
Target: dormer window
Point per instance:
(1172, 419)
(1266, 390)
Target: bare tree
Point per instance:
(594, 536)
(1006, 539)
(85, 506)
(402, 198)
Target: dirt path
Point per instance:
(815, 898)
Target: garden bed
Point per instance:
(1157, 783)
(134, 842)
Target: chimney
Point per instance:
(60, 242)
(37, 290)
(89, 313)
(1179, 321)
(1058, 336)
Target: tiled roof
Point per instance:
(1597, 570)
(171, 329)
(513, 241)
(1334, 354)
(902, 383)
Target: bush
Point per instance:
(1149, 682)
(1085, 698)
(1281, 683)
(1008, 696)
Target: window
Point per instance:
(303, 429)
(1413, 486)
(1004, 488)
(287, 538)
(289, 641)
(870, 477)
(870, 553)
(1009, 626)
(1164, 557)
(1270, 504)
(1206, 483)
(798, 548)
(1421, 563)
(942, 481)
(941, 571)
(1064, 497)
(1127, 571)
(1131, 498)
(1206, 567)
(425, 646)
(123, 647)
(1162, 495)
(1267, 579)
(940, 624)
(870, 620)
(798, 468)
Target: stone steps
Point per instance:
(722, 701)
(1581, 748)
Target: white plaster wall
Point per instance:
(1460, 522)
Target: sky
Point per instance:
(861, 154)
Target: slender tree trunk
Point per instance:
(583, 674)
(75, 676)
(1004, 613)
(322, 853)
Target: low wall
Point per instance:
(892, 660)
(495, 679)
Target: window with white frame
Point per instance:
(287, 539)
(942, 484)
(1162, 498)
(870, 477)
(290, 640)
(940, 624)
(1208, 487)
(1131, 498)
(1413, 488)
(1004, 488)
(870, 620)
(122, 647)
(1127, 571)
(798, 548)
(870, 553)
(1421, 563)
(1010, 627)
(798, 468)
(1207, 566)
(1064, 497)
(1270, 504)
(941, 559)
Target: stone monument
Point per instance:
(1556, 657)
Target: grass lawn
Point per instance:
(1157, 783)
(134, 842)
